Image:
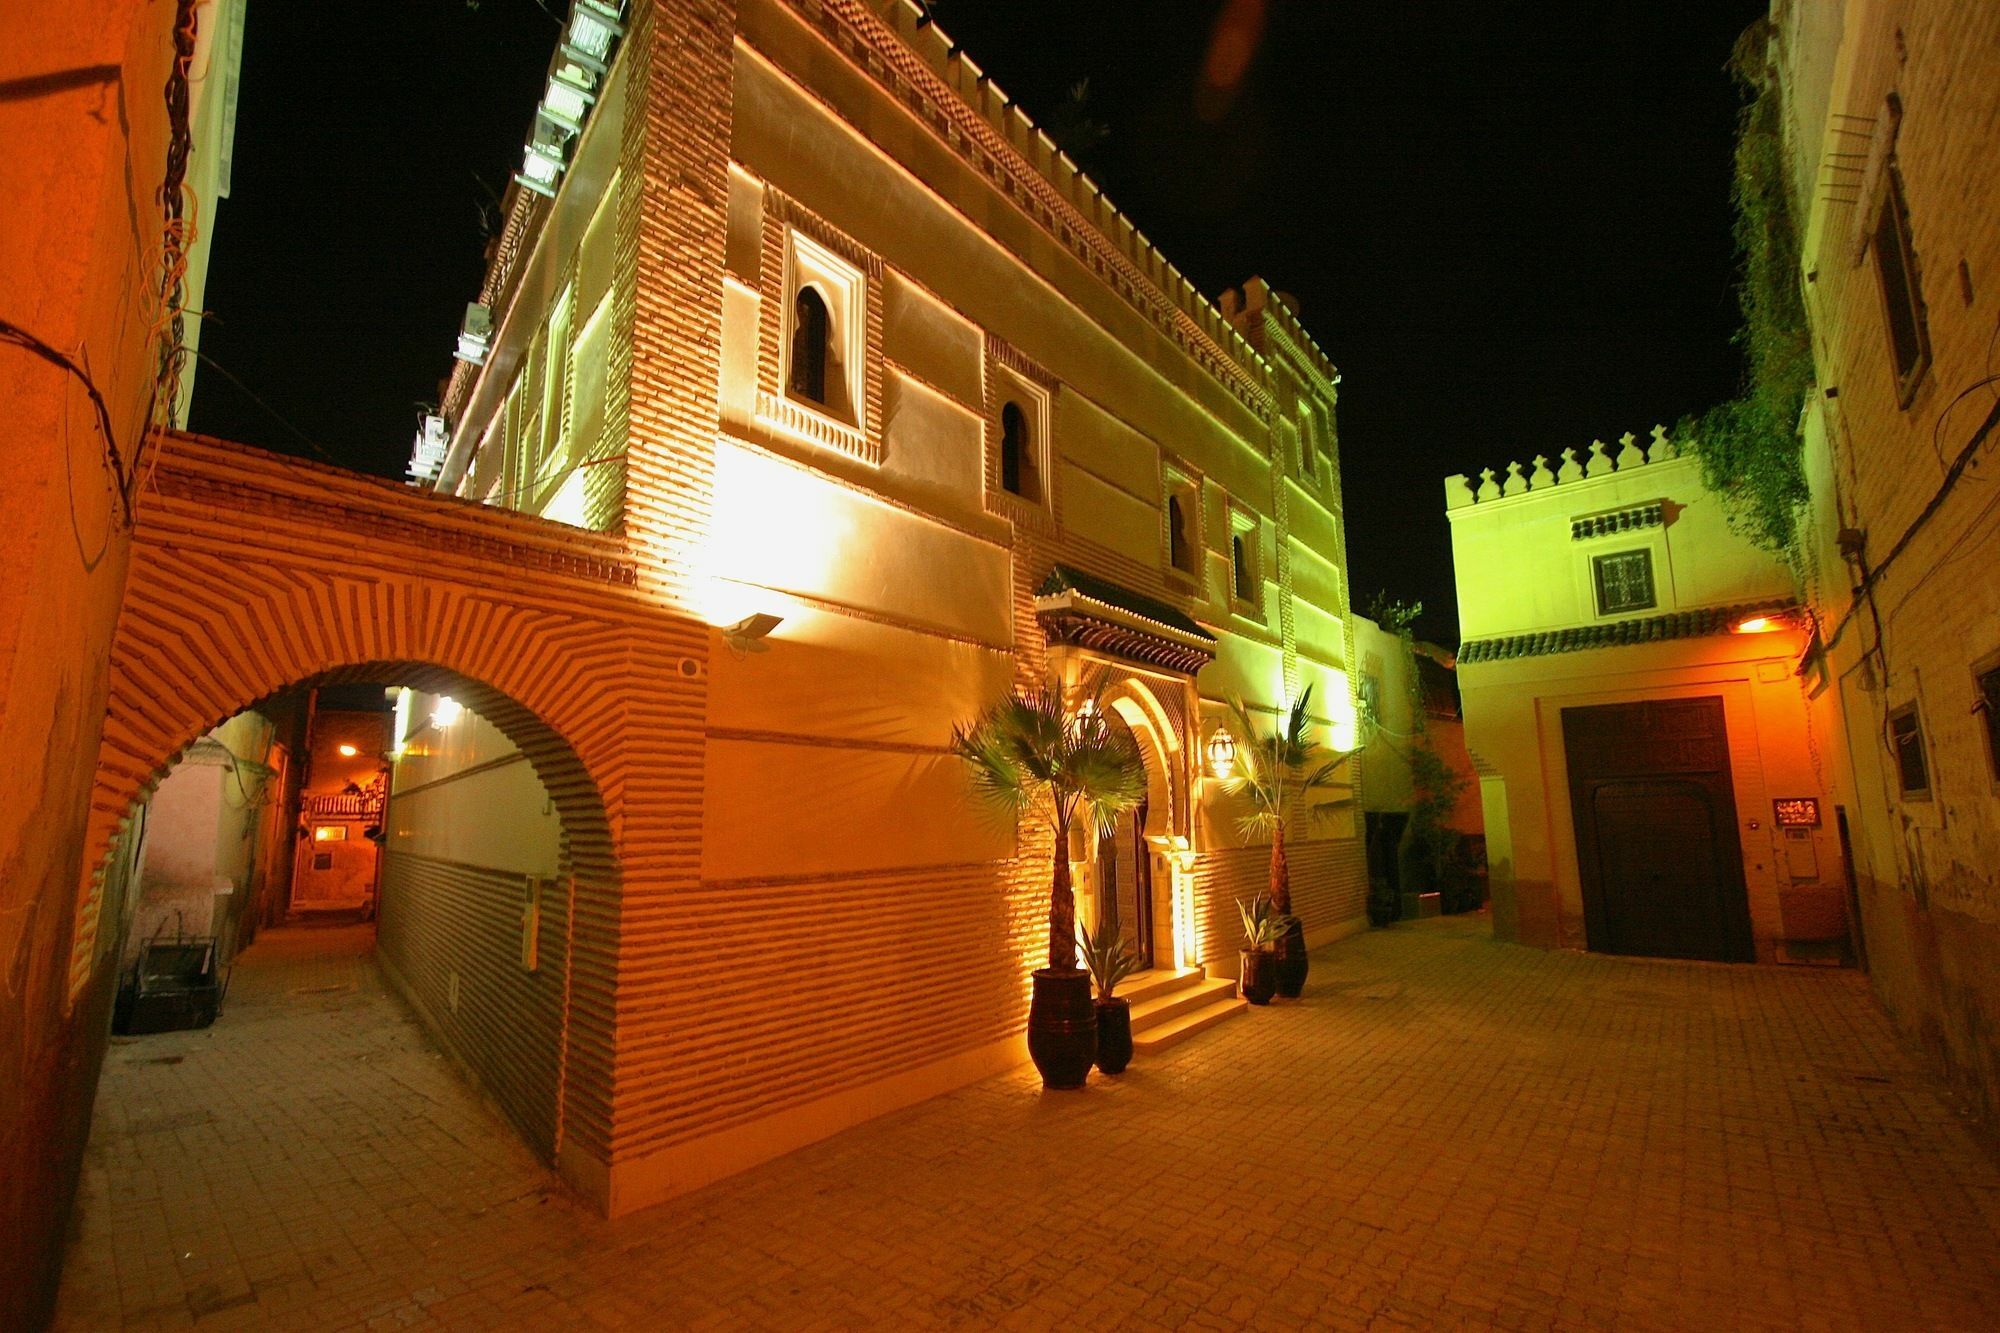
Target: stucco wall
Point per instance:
(1929, 894)
(1513, 721)
(833, 827)
(85, 128)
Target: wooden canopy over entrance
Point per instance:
(1085, 611)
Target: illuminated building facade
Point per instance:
(1633, 709)
(866, 378)
(1894, 188)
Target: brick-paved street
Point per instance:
(1446, 1132)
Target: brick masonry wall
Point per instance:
(254, 574)
(441, 923)
(1930, 904)
(1329, 892)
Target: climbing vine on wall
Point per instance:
(1749, 446)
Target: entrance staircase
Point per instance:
(1170, 1006)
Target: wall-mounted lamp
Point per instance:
(448, 711)
(347, 751)
(1758, 625)
(748, 634)
(1222, 754)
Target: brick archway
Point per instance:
(253, 574)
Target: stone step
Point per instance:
(1143, 986)
(1164, 1007)
(1187, 1025)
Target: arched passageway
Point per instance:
(253, 576)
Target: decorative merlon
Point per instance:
(1460, 491)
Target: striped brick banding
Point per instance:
(254, 574)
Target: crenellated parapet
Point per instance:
(1543, 473)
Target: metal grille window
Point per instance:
(1906, 740)
(1902, 298)
(1624, 582)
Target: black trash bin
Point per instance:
(173, 986)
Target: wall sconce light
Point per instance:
(748, 634)
(448, 711)
(347, 751)
(1222, 754)
(1758, 624)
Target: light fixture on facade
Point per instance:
(347, 751)
(593, 30)
(748, 634)
(448, 711)
(1760, 624)
(572, 89)
(475, 334)
(542, 162)
(1222, 754)
(427, 451)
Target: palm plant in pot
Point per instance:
(1263, 927)
(1111, 961)
(1035, 752)
(1284, 772)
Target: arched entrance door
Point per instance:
(1125, 884)
(1134, 878)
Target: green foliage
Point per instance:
(1429, 846)
(1263, 924)
(1035, 750)
(1032, 751)
(1072, 125)
(1749, 446)
(1279, 769)
(1393, 613)
(1109, 961)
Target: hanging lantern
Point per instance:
(1222, 753)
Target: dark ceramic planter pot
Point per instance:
(1114, 1035)
(1062, 1027)
(1259, 978)
(1292, 962)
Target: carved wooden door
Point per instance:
(1656, 842)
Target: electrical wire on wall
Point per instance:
(179, 227)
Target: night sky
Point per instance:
(1507, 223)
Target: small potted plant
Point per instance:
(1111, 961)
(1263, 927)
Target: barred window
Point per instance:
(1625, 582)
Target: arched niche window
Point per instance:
(811, 328)
(1180, 542)
(1244, 578)
(1017, 457)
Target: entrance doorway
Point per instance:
(1125, 885)
(1656, 843)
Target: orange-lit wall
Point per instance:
(84, 126)
(349, 882)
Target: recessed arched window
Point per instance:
(1017, 461)
(811, 326)
(1239, 562)
(1180, 548)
